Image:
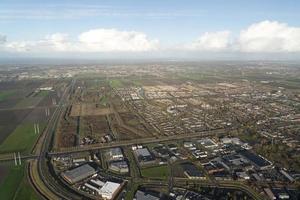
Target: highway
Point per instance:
(45, 177)
(24, 157)
(71, 150)
(185, 183)
(123, 143)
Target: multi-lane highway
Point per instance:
(138, 141)
(44, 182)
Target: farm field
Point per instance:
(5, 94)
(14, 184)
(29, 102)
(25, 190)
(9, 120)
(21, 139)
(89, 110)
(13, 93)
(20, 107)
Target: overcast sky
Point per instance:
(150, 29)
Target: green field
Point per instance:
(162, 171)
(103, 100)
(10, 185)
(21, 139)
(15, 185)
(42, 94)
(6, 94)
(115, 83)
(25, 191)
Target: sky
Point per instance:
(256, 29)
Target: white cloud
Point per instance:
(211, 41)
(97, 40)
(105, 40)
(269, 36)
(58, 42)
(55, 42)
(22, 46)
(262, 37)
(2, 39)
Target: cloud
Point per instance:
(96, 40)
(2, 39)
(115, 40)
(58, 42)
(211, 41)
(54, 42)
(269, 36)
(262, 37)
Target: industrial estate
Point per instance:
(150, 131)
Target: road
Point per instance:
(185, 183)
(44, 181)
(138, 141)
(123, 143)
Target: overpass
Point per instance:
(149, 140)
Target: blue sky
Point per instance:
(168, 25)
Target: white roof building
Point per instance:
(109, 190)
(115, 153)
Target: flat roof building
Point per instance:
(115, 154)
(141, 195)
(79, 173)
(109, 190)
(119, 166)
(144, 156)
(191, 171)
(258, 161)
(207, 143)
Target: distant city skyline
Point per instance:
(150, 29)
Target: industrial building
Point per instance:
(79, 173)
(141, 195)
(144, 156)
(191, 171)
(258, 161)
(114, 154)
(119, 166)
(109, 190)
(207, 143)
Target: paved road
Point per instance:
(115, 144)
(185, 182)
(43, 171)
(138, 141)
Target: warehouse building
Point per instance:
(141, 195)
(119, 166)
(191, 171)
(115, 154)
(109, 190)
(79, 173)
(207, 143)
(258, 161)
(144, 156)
